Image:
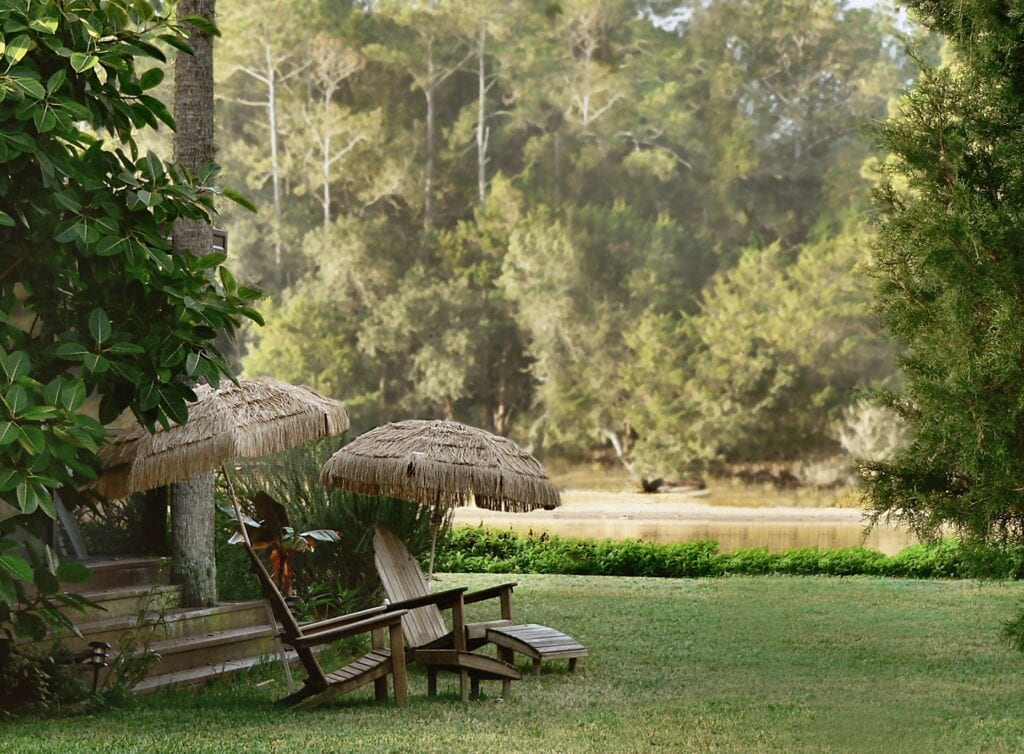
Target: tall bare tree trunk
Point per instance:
(327, 180)
(482, 131)
(428, 92)
(275, 167)
(192, 507)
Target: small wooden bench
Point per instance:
(537, 642)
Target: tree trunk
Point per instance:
(275, 167)
(428, 92)
(327, 181)
(192, 524)
(192, 508)
(481, 119)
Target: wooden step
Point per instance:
(125, 572)
(214, 648)
(124, 601)
(202, 675)
(175, 623)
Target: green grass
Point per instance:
(740, 664)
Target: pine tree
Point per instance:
(949, 268)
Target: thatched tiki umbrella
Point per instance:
(251, 419)
(441, 464)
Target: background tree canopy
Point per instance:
(617, 223)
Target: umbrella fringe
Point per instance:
(176, 463)
(442, 463)
(256, 418)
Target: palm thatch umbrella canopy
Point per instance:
(253, 418)
(442, 464)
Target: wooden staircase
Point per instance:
(142, 612)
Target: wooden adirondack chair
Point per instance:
(426, 630)
(430, 642)
(374, 666)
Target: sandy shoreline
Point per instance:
(587, 505)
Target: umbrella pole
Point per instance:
(248, 543)
(433, 546)
(237, 506)
(435, 523)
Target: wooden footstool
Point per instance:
(537, 642)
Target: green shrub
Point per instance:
(482, 550)
(344, 568)
(32, 681)
(235, 580)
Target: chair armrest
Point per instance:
(320, 625)
(443, 599)
(489, 593)
(366, 625)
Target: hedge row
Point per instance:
(482, 550)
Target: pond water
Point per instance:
(623, 516)
(730, 535)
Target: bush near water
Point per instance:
(483, 550)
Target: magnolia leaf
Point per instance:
(72, 351)
(51, 559)
(83, 62)
(16, 399)
(239, 199)
(45, 25)
(16, 567)
(16, 364)
(99, 325)
(204, 25)
(32, 440)
(17, 48)
(151, 78)
(10, 478)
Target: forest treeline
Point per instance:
(586, 224)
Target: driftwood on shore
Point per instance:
(672, 485)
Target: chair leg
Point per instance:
(474, 682)
(380, 689)
(536, 666)
(572, 664)
(506, 688)
(464, 685)
(398, 677)
(431, 682)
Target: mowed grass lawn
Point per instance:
(731, 664)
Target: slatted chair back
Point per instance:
(403, 579)
(290, 626)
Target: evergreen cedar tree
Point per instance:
(949, 270)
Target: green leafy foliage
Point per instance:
(92, 299)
